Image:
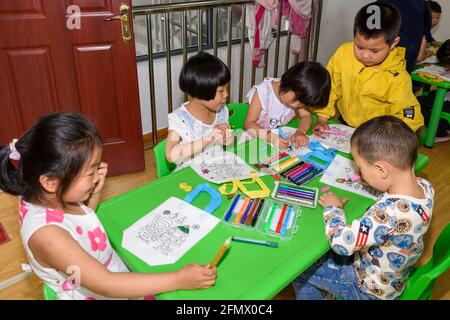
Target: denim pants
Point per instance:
(332, 273)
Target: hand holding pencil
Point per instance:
(195, 276)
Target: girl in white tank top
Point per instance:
(275, 102)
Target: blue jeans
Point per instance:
(332, 273)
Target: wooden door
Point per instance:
(50, 63)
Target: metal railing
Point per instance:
(147, 11)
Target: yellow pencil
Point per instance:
(220, 254)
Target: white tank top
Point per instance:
(86, 229)
(273, 114)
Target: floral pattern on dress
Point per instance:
(98, 239)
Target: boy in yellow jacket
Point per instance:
(368, 75)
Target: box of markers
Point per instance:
(296, 195)
(243, 212)
(278, 219)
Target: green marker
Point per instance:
(267, 226)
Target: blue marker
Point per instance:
(230, 211)
(285, 221)
(280, 131)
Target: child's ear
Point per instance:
(395, 43)
(49, 184)
(382, 169)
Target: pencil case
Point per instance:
(278, 219)
(243, 212)
(296, 195)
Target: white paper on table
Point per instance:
(343, 169)
(166, 233)
(436, 70)
(224, 168)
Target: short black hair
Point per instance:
(433, 6)
(56, 146)
(310, 82)
(443, 54)
(390, 22)
(202, 74)
(386, 138)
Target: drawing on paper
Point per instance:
(339, 140)
(167, 232)
(224, 168)
(339, 175)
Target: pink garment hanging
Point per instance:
(298, 12)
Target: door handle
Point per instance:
(124, 22)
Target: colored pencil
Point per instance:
(220, 253)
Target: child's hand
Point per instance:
(195, 276)
(277, 141)
(229, 137)
(102, 171)
(300, 139)
(320, 127)
(216, 134)
(330, 199)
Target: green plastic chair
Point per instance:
(163, 167)
(237, 114)
(422, 279)
(421, 162)
(48, 293)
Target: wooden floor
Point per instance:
(12, 254)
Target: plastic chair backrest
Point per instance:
(163, 167)
(421, 281)
(421, 162)
(237, 112)
(48, 293)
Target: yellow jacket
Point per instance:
(361, 93)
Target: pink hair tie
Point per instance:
(14, 155)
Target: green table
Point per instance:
(436, 112)
(247, 271)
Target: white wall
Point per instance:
(442, 31)
(336, 25)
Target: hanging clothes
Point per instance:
(298, 13)
(259, 18)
